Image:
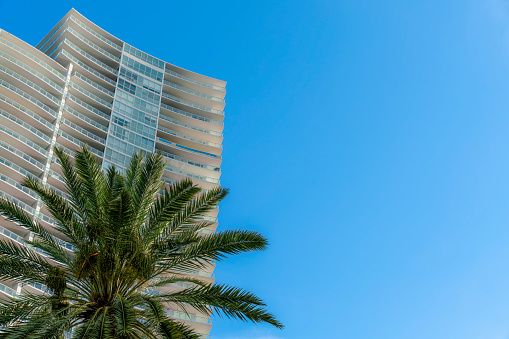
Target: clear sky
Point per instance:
(369, 140)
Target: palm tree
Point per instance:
(132, 245)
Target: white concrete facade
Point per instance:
(81, 84)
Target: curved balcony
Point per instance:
(88, 107)
(189, 162)
(191, 175)
(191, 104)
(188, 317)
(38, 286)
(25, 129)
(186, 137)
(17, 238)
(87, 120)
(101, 89)
(15, 171)
(32, 72)
(33, 58)
(191, 115)
(29, 98)
(89, 138)
(36, 167)
(94, 97)
(84, 66)
(7, 290)
(97, 35)
(79, 143)
(193, 92)
(28, 113)
(13, 236)
(30, 84)
(93, 46)
(88, 57)
(194, 81)
(29, 147)
(14, 184)
(192, 127)
(186, 152)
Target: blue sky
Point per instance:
(367, 139)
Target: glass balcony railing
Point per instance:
(88, 56)
(83, 131)
(22, 155)
(167, 142)
(97, 35)
(194, 116)
(91, 96)
(8, 290)
(88, 107)
(183, 124)
(183, 136)
(33, 58)
(192, 104)
(94, 46)
(32, 71)
(15, 184)
(30, 84)
(87, 119)
(189, 162)
(24, 140)
(25, 126)
(27, 208)
(194, 81)
(26, 111)
(64, 244)
(16, 168)
(188, 317)
(93, 84)
(28, 97)
(39, 287)
(79, 143)
(190, 91)
(86, 67)
(191, 175)
(19, 239)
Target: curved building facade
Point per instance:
(81, 84)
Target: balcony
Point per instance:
(22, 159)
(77, 143)
(30, 99)
(95, 98)
(107, 95)
(212, 146)
(191, 127)
(26, 130)
(194, 81)
(26, 83)
(85, 67)
(27, 115)
(112, 58)
(191, 104)
(191, 115)
(193, 92)
(31, 72)
(188, 317)
(94, 33)
(14, 140)
(90, 60)
(92, 123)
(89, 108)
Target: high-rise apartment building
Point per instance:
(81, 84)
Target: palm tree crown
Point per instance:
(134, 240)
